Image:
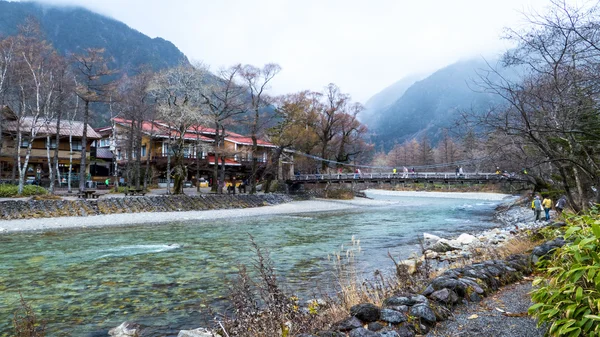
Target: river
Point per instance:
(85, 281)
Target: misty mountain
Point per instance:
(386, 97)
(432, 104)
(74, 29)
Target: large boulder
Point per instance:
(430, 239)
(362, 332)
(348, 324)
(366, 312)
(392, 316)
(424, 313)
(466, 239)
(443, 246)
(200, 332)
(126, 329)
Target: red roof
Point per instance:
(161, 129)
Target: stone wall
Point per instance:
(24, 209)
(411, 314)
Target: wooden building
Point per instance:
(68, 152)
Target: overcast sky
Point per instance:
(362, 46)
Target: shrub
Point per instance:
(120, 189)
(8, 191)
(260, 307)
(339, 193)
(29, 190)
(26, 323)
(568, 293)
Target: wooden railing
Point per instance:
(405, 176)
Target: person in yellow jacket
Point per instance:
(547, 204)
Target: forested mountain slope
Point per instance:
(74, 29)
(432, 104)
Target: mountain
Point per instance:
(387, 97)
(74, 29)
(432, 104)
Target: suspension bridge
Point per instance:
(447, 178)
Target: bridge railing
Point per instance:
(398, 176)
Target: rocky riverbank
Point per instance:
(408, 315)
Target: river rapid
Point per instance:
(83, 282)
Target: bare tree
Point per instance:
(6, 58)
(34, 88)
(177, 92)
(224, 100)
(551, 113)
(331, 114)
(63, 91)
(257, 83)
(94, 86)
(136, 105)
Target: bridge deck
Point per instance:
(445, 177)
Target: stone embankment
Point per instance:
(26, 209)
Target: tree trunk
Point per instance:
(222, 180)
(198, 154)
(215, 183)
(50, 169)
(56, 164)
(169, 167)
(147, 175)
(138, 158)
(270, 176)
(254, 164)
(70, 157)
(83, 163)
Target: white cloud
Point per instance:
(362, 46)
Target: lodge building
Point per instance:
(109, 151)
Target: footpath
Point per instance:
(503, 314)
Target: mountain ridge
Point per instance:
(432, 104)
(73, 29)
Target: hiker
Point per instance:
(537, 207)
(547, 204)
(560, 204)
(404, 172)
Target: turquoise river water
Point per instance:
(83, 282)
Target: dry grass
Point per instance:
(279, 314)
(46, 197)
(25, 322)
(515, 245)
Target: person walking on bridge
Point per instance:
(404, 172)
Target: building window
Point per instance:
(76, 145)
(24, 142)
(143, 150)
(105, 142)
(52, 144)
